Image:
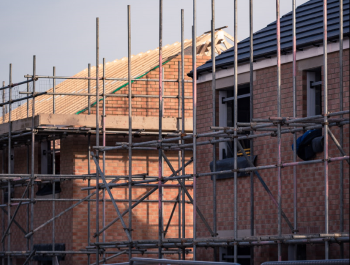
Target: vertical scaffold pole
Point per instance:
(9, 167)
(341, 136)
(3, 167)
(179, 153)
(278, 36)
(194, 62)
(3, 100)
(295, 195)
(28, 99)
(183, 124)
(104, 144)
(251, 80)
(160, 157)
(97, 136)
(235, 119)
(53, 165)
(130, 127)
(33, 161)
(213, 87)
(53, 89)
(89, 159)
(89, 89)
(28, 170)
(3, 195)
(325, 134)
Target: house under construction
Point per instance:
(207, 150)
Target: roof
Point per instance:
(142, 64)
(309, 31)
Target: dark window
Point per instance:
(314, 92)
(243, 255)
(243, 104)
(243, 101)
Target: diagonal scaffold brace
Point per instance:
(171, 215)
(189, 196)
(15, 222)
(141, 200)
(341, 150)
(111, 196)
(15, 213)
(29, 257)
(264, 185)
(63, 212)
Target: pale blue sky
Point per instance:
(61, 33)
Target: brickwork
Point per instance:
(145, 215)
(71, 228)
(310, 178)
(42, 210)
(149, 106)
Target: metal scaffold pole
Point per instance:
(325, 127)
(179, 118)
(130, 127)
(194, 135)
(183, 126)
(235, 120)
(213, 85)
(279, 140)
(3, 169)
(3, 101)
(103, 120)
(33, 159)
(251, 112)
(341, 136)
(97, 138)
(295, 197)
(9, 167)
(89, 168)
(160, 157)
(53, 167)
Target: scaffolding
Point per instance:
(179, 141)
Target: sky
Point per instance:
(62, 33)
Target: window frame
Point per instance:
(223, 112)
(313, 92)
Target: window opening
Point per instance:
(243, 255)
(243, 100)
(46, 189)
(314, 92)
(226, 119)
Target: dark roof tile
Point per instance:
(309, 27)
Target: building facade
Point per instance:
(72, 158)
(258, 215)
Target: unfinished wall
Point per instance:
(145, 215)
(42, 209)
(71, 228)
(149, 107)
(310, 177)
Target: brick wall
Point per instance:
(310, 178)
(71, 228)
(42, 209)
(145, 215)
(149, 106)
